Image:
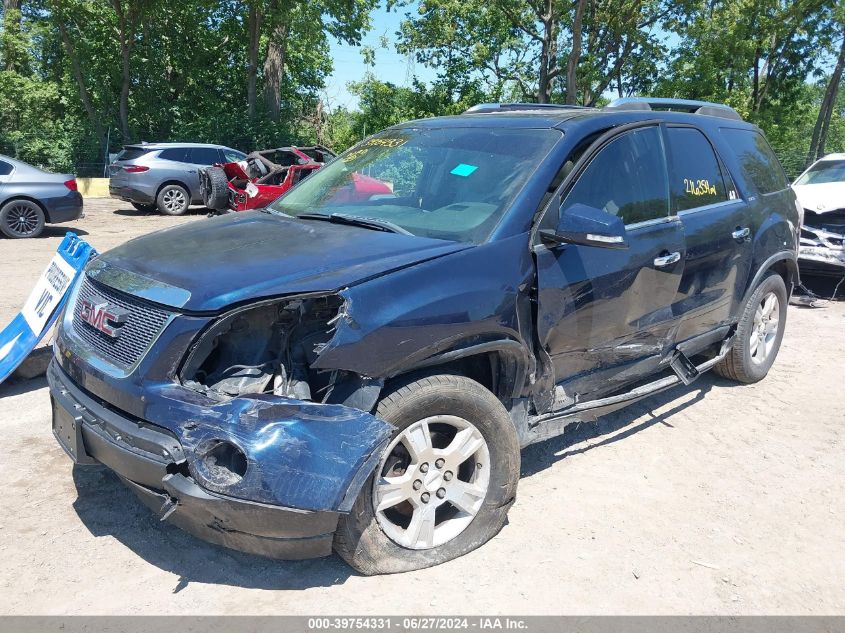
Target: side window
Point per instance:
(756, 159)
(204, 155)
(233, 156)
(178, 154)
(627, 178)
(5, 168)
(696, 176)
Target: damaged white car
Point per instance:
(821, 192)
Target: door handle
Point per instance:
(741, 234)
(667, 260)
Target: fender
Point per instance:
(782, 256)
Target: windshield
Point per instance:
(449, 183)
(822, 172)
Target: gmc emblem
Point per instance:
(101, 316)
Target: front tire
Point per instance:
(759, 333)
(21, 218)
(444, 483)
(173, 200)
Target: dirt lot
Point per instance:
(710, 499)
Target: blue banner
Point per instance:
(44, 304)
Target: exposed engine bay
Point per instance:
(267, 349)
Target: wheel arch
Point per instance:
(16, 197)
(501, 366)
(785, 264)
(174, 181)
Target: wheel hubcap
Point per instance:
(22, 219)
(431, 482)
(174, 200)
(765, 328)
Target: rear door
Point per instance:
(717, 231)
(605, 316)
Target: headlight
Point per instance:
(265, 348)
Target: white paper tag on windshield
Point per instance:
(47, 294)
(251, 190)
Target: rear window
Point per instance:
(5, 168)
(756, 159)
(177, 154)
(204, 156)
(822, 172)
(132, 153)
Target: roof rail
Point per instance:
(683, 105)
(482, 108)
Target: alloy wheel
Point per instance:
(765, 329)
(173, 200)
(22, 219)
(431, 482)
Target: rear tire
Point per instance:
(146, 208)
(21, 218)
(214, 188)
(173, 200)
(462, 502)
(759, 333)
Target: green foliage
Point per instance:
(62, 73)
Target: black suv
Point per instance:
(360, 372)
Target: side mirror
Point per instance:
(588, 226)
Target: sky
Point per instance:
(390, 65)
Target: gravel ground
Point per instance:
(714, 499)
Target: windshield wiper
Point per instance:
(355, 220)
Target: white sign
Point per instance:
(47, 294)
(251, 190)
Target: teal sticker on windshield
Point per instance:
(463, 170)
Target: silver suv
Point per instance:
(164, 176)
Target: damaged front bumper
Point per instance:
(165, 466)
(821, 252)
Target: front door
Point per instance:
(605, 316)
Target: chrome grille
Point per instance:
(143, 325)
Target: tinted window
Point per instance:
(627, 178)
(696, 177)
(177, 154)
(5, 168)
(756, 159)
(132, 153)
(233, 156)
(823, 171)
(204, 155)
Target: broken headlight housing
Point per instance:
(266, 348)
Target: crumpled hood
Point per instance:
(209, 264)
(820, 198)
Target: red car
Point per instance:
(263, 176)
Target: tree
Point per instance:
(820, 130)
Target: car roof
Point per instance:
(566, 118)
(152, 146)
(834, 156)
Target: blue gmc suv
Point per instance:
(360, 374)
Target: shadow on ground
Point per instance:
(615, 426)
(107, 508)
(58, 230)
(15, 387)
(133, 212)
